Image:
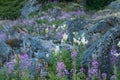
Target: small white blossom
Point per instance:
(47, 55)
(76, 41)
(46, 30)
(117, 54)
(63, 26)
(57, 49)
(83, 40)
(118, 44)
(65, 37)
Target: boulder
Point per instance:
(102, 49)
(36, 47)
(102, 33)
(115, 5)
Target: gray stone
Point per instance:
(4, 49)
(115, 5)
(37, 47)
(32, 6)
(102, 49)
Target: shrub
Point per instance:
(10, 9)
(97, 4)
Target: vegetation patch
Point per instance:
(10, 9)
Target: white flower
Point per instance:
(83, 40)
(117, 54)
(65, 37)
(76, 41)
(57, 49)
(118, 44)
(47, 55)
(46, 30)
(63, 26)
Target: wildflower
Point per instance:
(83, 40)
(93, 71)
(82, 69)
(114, 54)
(113, 77)
(61, 69)
(95, 63)
(46, 30)
(59, 34)
(60, 66)
(24, 56)
(2, 36)
(74, 54)
(104, 76)
(118, 44)
(57, 49)
(47, 55)
(24, 60)
(113, 51)
(10, 65)
(76, 41)
(65, 37)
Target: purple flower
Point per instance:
(93, 71)
(10, 65)
(113, 51)
(60, 66)
(59, 34)
(95, 63)
(113, 77)
(24, 56)
(74, 54)
(24, 60)
(82, 69)
(104, 76)
(61, 69)
(2, 36)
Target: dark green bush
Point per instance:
(10, 9)
(97, 4)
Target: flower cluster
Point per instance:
(93, 71)
(24, 62)
(61, 69)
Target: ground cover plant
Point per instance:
(30, 59)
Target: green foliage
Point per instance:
(10, 9)
(97, 4)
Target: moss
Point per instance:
(10, 9)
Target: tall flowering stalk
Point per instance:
(114, 56)
(104, 76)
(74, 56)
(113, 77)
(93, 71)
(61, 69)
